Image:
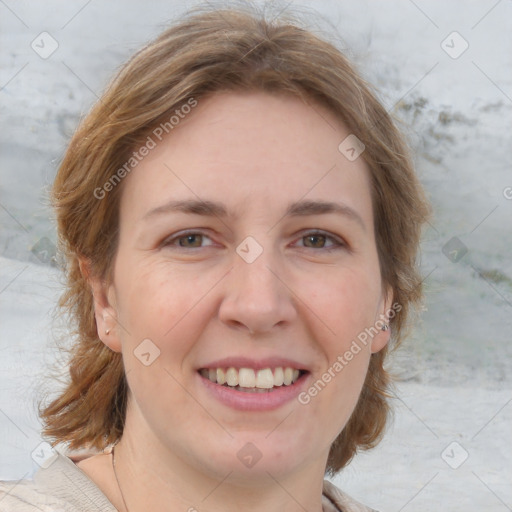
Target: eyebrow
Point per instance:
(296, 209)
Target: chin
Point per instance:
(253, 458)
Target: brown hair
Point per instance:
(209, 51)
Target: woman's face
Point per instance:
(246, 242)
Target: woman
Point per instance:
(240, 220)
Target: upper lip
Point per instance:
(255, 364)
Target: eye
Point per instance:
(318, 239)
(311, 240)
(191, 239)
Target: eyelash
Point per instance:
(337, 244)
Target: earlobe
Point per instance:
(381, 339)
(104, 311)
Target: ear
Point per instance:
(381, 339)
(104, 307)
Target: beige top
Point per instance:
(64, 487)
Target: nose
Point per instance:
(256, 297)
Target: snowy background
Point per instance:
(450, 443)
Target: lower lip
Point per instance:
(254, 401)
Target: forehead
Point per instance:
(254, 152)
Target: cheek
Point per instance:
(157, 308)
(346, 302)
(155, 298)
(161, 318)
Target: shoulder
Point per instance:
(59, 487)
(23, 496)
(27, 496)
(341, 501)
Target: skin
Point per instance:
(256, 153)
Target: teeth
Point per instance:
(265, 379)
(288, 376)
(221, 376)
(246, 378)
(249, 379)
(232, 377)
(278, 377)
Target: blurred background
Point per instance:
(445, 70)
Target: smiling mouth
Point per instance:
(253, 381)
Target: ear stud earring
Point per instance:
(107, 331)
(385, 327)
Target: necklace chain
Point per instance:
(115, 474)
